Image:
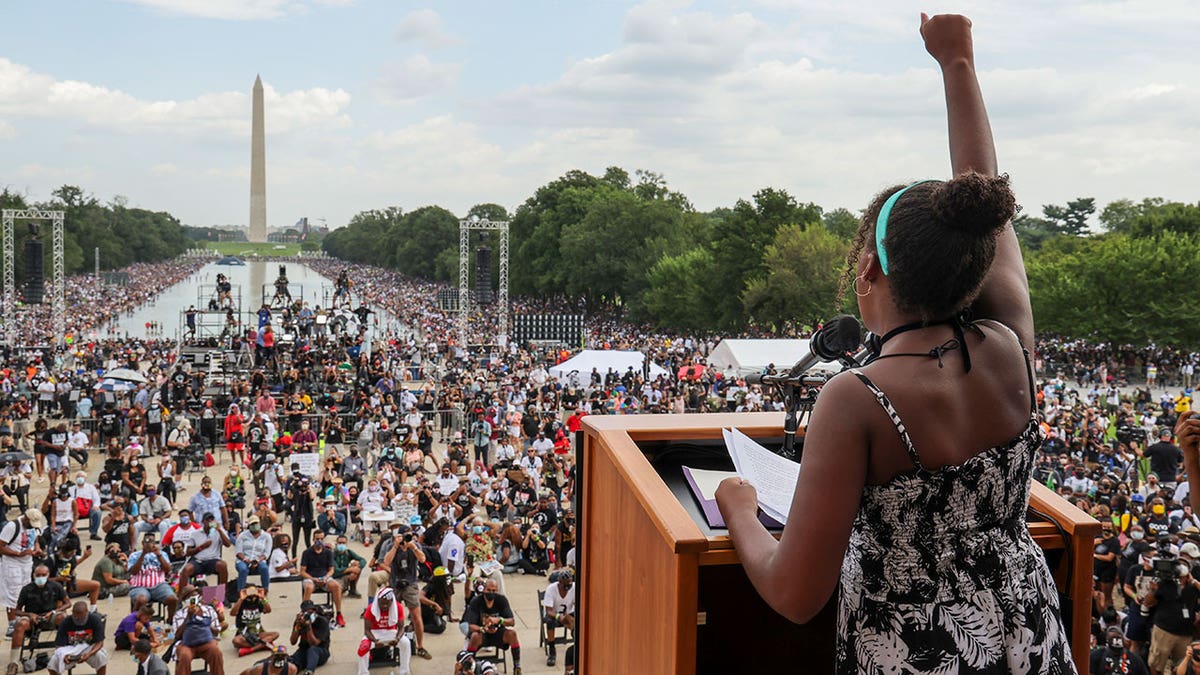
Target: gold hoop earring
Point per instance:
(869, 287)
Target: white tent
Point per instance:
(580, 366)
(746, 357)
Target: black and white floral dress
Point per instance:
(941, 575)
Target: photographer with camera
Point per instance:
(316, 572)
(1174, 596)
(248, 613)
(310, 632)
(490, 620)
(382, 627)
(402, 562)
(1112, 657)
(196, 627)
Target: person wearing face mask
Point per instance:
(253, 551)
(133, 478)
(209, 501)
(1113, 657)
(110, 573)
(381, 629)
(80, 639)
(147, 662)
(88, 501)
(1104, 562)
(402, 561)
(453, 547)
(490, 623)
(558, 610)
(310, 634)
(197, 626)
(316, 571)
(277, 664)
(154, 512)
(204, 551)
(1157, 524)
(42, 603)
(305, 439)
(332, 520)
(1175, 604)
(348, 566)
(180, 530)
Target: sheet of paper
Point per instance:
(771, 475)
(708, 480)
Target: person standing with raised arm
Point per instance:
(933, 442)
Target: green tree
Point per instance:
(800, 285)
(681, 292)
(1071, 219)
(842, 223)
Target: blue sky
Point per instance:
(373, 103)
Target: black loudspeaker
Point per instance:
(35, 283)
(483, 275)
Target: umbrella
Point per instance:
(126, 374)
(692, 372)
(6, 457)
(108, 384)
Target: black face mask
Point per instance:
(489, 596)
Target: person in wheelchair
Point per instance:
(383, 632)
(558, 610)
(41, 605)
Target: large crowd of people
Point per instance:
(390, 468)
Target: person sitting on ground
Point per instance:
(136, 626)
(277, 664)
(148, 662)
(80, 640)
(558, 606)
(110, 572)
(41, 605)
(196, 628)
(247, 612)
(310, 632)
(490, 622)
(316, 570)
(348, 566)
(382, 623)
(63, 567)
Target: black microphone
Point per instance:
(840, 336)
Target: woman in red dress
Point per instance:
(235, 437)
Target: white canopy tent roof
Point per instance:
(746, 357)
(581, 365)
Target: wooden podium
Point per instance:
(660, 592)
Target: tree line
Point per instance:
(124, 235)
(773, 262)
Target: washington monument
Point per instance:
(258, 169)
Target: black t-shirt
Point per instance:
(320, 627)
(91, 632)
(1127, 662)
(108, 423)
(1104, 547)
(1134, 577)
(250, 614)
(1176, 608)
(477, 609)
(1164, 460)
(545, 518)
(41, 600)
(317, 564)
(404, 567)
(62, 566)
(55, 437)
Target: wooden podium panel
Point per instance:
(658, 595)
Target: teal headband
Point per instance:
(882, 220)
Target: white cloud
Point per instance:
(426, 28)
(24, 92)
(417, 77)
(237, 10)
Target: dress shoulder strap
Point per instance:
(895, 417)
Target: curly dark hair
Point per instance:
(941, 239)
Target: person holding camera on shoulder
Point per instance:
(310, 632)
(1174, 598)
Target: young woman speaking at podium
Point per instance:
(916, 468)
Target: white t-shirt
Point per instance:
(279, 557)
(452, 549)
(554, 600)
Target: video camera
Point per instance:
(1165, 561)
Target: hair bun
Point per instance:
(974, 203)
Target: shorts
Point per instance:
(411, 595)
(495, 639)
(205, 566)
(58, 662)
(55, 461)
(158, 593)
(1167, 650)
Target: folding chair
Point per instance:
(543, 642)
(497, 656)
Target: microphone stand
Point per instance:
(798, 399)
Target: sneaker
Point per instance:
(421, 652)
(11, 627)
(95, 537)
(516, 669)
(341, 622)
(243, 651)
(550, 659)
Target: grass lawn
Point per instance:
(242, 248)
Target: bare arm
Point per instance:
(1005, 292)
(1187, 434)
